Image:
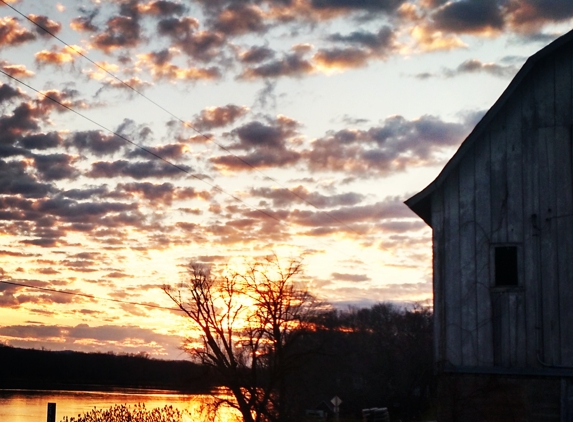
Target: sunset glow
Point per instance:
(215, 131)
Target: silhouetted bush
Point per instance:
(123, 413)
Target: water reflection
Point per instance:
(31, 405)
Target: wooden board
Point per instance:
(452, 291)
(563, 88)
(498, 187)
(482, 251)
(544, 93)
(547, 239)
(438, 246)
(531, 222)
(467, 260)
(563, 225)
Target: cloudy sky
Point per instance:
(138, 135)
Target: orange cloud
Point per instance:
(530, 15)
(66, 54)
(16, 70)
(240, 19)
(160, 8)
(428, 39)
(163, 69)
(133, 82)
(213, 117)
(12, 33)
(100, 73)
(341, 58)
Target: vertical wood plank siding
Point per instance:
(564, 223)
(513, 187)
(467, 262)
(531, 226)
(439, 276)
(564, 230)
(482, 248)
(452, 288)
(548, 253)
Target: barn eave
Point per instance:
(421, 203)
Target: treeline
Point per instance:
(373, 357)
(30, 368)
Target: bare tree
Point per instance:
(251, 324)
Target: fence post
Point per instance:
(51, 412)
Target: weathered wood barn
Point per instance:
(501, 212)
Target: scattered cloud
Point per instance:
(136, 170)
(266, 145)
(361, 47)
(256, 55)
(393, 146)
(293, 64)
(185, 35)
(16, 70)
(282, 197)
(85, 23)
(83, 337)
(81, 207)
(471, 66)
(12, 33)
(239, 18)
(95, 142)
(55, 56)
(215, 117)
(469, 16)
(355, 278)
(121, 31)
(428, 39)
(530, 15)
(476, 66)
(45, 26)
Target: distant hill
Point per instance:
(30, 368)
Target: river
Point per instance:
(31, 405)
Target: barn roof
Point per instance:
(421, 203)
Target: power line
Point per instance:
(186, 124)
(64, 292)
(139, 146)
(217, 188)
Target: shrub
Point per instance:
(124, 413)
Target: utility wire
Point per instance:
(186, 124)
(64, 292)
(184, 170)
(217, 188)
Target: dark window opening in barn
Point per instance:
(506, 266)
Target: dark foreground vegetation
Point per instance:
(372, 357)
(29, 368)
(123, 413)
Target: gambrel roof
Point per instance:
(421, 203)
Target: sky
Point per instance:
(137, 136)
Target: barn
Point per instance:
(501, 212)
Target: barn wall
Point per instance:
(514, 186)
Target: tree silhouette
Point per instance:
(251, 323)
